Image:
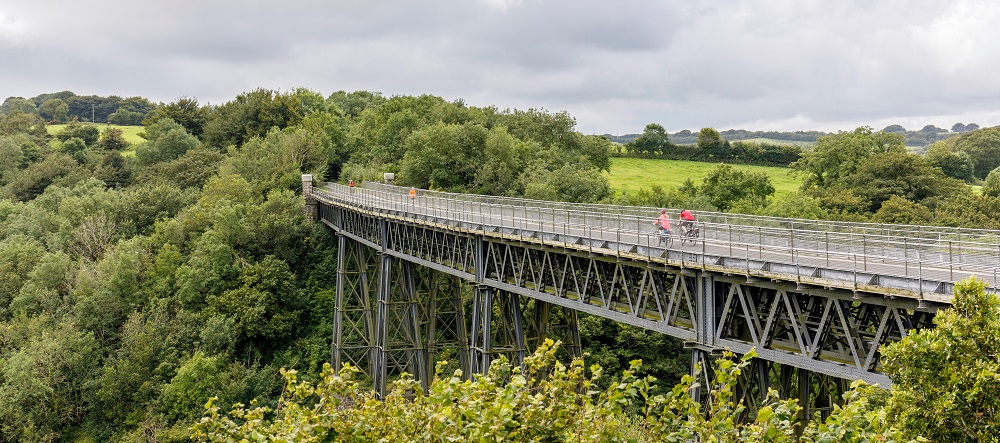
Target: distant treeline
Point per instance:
(65, 106)
(708, 145)
(687, 137)
(765, 154)
(924, 137)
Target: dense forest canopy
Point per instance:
(137, 281)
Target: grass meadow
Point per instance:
(131, 133)
(632, 174)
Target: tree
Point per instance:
(653, 141)
(134, 374)
(24, 123)
(501, 162)
(547, 129)
(991, 186)
(46, 380)
(982, 147)
(597, 150)
(795, 205)
(131, 112)
(12, 157)
(946, 379)
(311, 101)
(899, 210)
(92, 108)
(191, 170)
(570, 183)
(278, 160)
(54, 109)
(709, 139)
(442, 156)
(266, 307)
(352, 104)
(967, 210)
(185, 111)
(839, 155)
(113, 139)
(114, 170)
(33, 180)
(74, 147)
(613, 345)
(725, 186)
(898, 173)
(953, 164)
(88, 133)
(17, 105)
(18, 256)
(897, 129)
(165, 141)
(959, 127)
(251, 114)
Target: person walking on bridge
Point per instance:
(413, 194)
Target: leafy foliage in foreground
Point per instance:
(947, 379)
(541, 401)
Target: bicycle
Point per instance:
(689, 233)
(665, 237)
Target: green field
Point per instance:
(632, 174)
(779, 142)
(131, 133)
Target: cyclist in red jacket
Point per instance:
(687, 220)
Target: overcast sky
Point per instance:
(614, 65)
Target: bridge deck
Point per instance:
(917, 262)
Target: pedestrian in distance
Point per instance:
(413, 194)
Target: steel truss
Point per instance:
(800, 332)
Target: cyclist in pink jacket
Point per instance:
(662, 224)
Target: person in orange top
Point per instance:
(413, 194)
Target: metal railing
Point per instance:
(919, 252)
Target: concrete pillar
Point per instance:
(311, 210)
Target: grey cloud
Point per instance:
(616, 66)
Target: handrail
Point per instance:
(896, 250)
(871, 228)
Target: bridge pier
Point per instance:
(445, 328)
(354, 320)
(497, 328)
